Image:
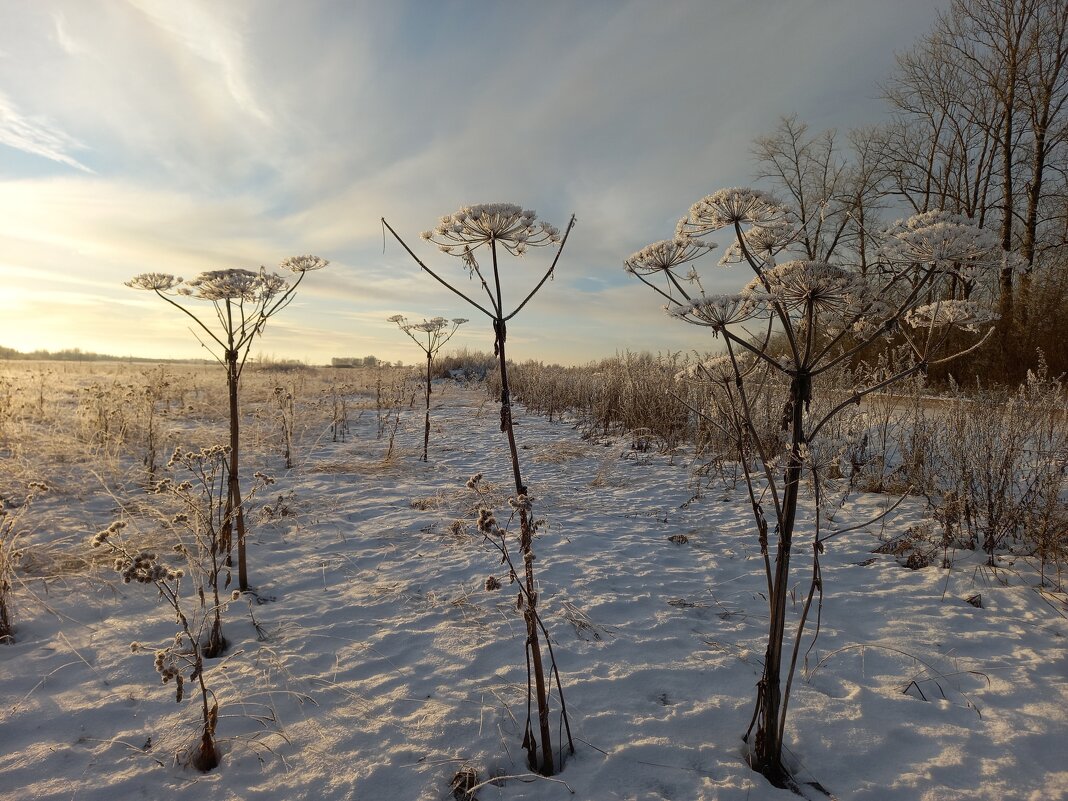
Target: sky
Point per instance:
(181, 136)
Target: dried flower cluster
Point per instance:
(666, 254)
(516, 229)
(728, 207)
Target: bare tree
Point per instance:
(979, 128)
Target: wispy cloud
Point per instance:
(205, 31)
(37, 136)
(236, 133)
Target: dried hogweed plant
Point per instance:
(11, 555)
(526, 600)
(491, 230)
(241, 301)
(825, 316)
(283, 401)
(430, 335)
(196, 514)
(181, 660)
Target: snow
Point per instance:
(383, 665)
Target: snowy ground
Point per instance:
(386, 666)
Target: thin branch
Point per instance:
(437, 277)
(549, 272)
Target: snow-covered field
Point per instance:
(382, 665)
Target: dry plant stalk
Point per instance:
(182, 659)
(497, 227)
(436, 333)
(10, 556)
(826, 316)
(242, 302)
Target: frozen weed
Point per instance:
(181, 659)
(242, 302)
(490, 230)
(11, 556)
(430, 336)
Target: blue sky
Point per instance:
(182, 136)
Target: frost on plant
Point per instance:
(11, 554)
(181, 659)
(431, 336)
(489, 231)
(792, 323)
(242, 301)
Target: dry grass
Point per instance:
(561, 452)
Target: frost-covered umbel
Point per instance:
(963, 314)
(513, 227)
(728, 207)
(949, 242)
(666, 254)
(233, 284)
(798, 284)
(815, 317)
(763, 241)
(717, 311)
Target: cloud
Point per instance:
(237, 133)
(205, 31)
(37, 136)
